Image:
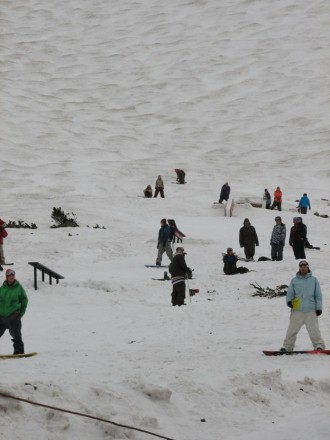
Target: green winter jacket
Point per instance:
(12, 299)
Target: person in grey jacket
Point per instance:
(304, 297)
(277, 240)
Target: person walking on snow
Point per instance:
(266, 197)
(13, 303)
(3, 234)
(304, 297)
(248, 239)
(164, 242)
(224, 193)
(277, 240)
(159, 187)
(304, 204)
(277, 203)
(179, 271)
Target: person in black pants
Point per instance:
(298, 237)
(179, 271)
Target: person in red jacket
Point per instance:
(3, 234)
(277, 203)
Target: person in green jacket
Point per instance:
(13, 302)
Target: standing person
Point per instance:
(304, 297)
(266, 197)
(180, 176)
(229, 263)
(148, 191)
(277, 203)
(3, 234)
(164, 242)
(179, 271)
(159, 187)
(277, 240)
(304, 204)
(298, 237)
(224, 193)
(13, 302)
(248, 239)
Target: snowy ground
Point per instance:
(98, 98)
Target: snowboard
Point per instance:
(17, 356)
(153, 265)
(289, 353)
(7, 264)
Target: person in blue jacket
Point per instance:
(304, 297)
(165, 237)
(304, 204)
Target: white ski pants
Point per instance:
(297, 320)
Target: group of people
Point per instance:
(13, 300)
(303, 205)
(159, 184)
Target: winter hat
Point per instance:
(246, 221)
(180, 250)
(305, 195)
(163, 221)
(229, 250)
(278, 218)
(9, 272)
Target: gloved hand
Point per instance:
(318, 312)
(290, 304)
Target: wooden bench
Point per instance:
(44, 270)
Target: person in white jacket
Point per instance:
(304, 297)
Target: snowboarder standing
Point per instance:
(304, 297)
(159, 187)
(224, 193)
(266, 197)
(229, 263)
(13, 303)
(298, 237)
(164, 242)
(180, 176)
(277, 240)
(179, 271)
(3, 234)
(248, 239)
(277, 203)
(304, 204)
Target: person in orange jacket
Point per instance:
(277, 203)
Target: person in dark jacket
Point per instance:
(13, 303)
(224, 193)
(304, 203)
(179, 272)
(229, 263)
(248, 239)
(180, 176)
(3, 234)
(148, 192)
(277, 239)
(298, 237)
(164, 242)
(267, 198)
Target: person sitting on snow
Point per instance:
(230, 260)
